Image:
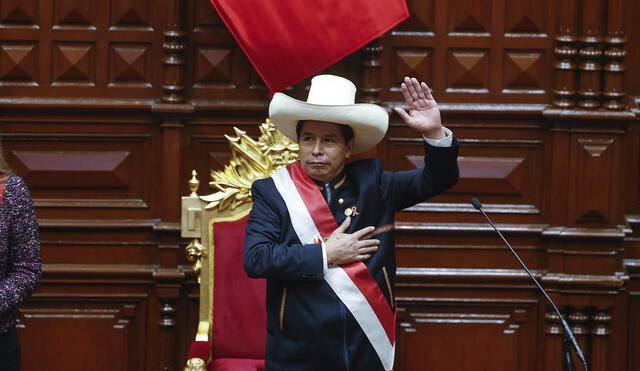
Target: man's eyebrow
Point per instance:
(330, 135)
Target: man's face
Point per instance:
(323, 150)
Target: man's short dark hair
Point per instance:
(346, 130)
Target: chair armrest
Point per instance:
(199, 355)
(195, 364)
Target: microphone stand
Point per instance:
(569, 339)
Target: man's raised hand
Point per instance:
(423, 114)
(344, 248)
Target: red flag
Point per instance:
(289, 40)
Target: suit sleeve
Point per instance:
(408, 188)
(265, 256)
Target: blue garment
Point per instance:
(308, 327)
(9, 350)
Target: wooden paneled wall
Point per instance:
(106, 106)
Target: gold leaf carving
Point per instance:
(250, 160)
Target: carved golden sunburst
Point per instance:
(250, 160)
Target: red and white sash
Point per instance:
(353, 283)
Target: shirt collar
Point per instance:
(335, 182)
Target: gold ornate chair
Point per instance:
(231, 328)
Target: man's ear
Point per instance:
(350, 144)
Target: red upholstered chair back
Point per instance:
(239, 315)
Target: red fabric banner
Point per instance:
(311, 196)
(290, 40)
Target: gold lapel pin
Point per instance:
(352, 211)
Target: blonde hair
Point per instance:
(4, 166)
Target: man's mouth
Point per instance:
(317, 163)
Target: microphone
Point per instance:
(569, 338)
(476, 203)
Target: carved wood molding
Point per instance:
(590, 52)
(632, 266)
(533, 229)
(97, 223)
(566, 52)
(590, 324)
(370, 87)
(614, 54)
(468, 208)
(118, 203)
(173, 61)
(121, 316)
(604, 284)
(63, 103)
(103, 272)
(599, 233)
(434, 227)
(424, 277)
(510, 322)
(410, 301)
(593, 59)
(74, 137)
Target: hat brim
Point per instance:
(368, 121)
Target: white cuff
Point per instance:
(325, 265)
(443, 142)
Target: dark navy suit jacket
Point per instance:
(308, 327)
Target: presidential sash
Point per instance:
(353, 283)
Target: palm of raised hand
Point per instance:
(423, 114)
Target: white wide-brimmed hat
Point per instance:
(332, 99)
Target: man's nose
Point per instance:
(317, 147)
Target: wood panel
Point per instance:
(478, 51)
(632, 176)
(106, 317)
(80, 49)
(113, 330)
(487, 334)
(82, 167)
(108, 106)
(634, 329)
(596, 157)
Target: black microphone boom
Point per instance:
(567, 330)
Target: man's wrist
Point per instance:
(446, 141)
(435, 134)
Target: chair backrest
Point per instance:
(232, 306)
(239, 314)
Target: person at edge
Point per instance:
(321, 229)
(20, 266)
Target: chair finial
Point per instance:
(194, 183)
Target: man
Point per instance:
(330, 303)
